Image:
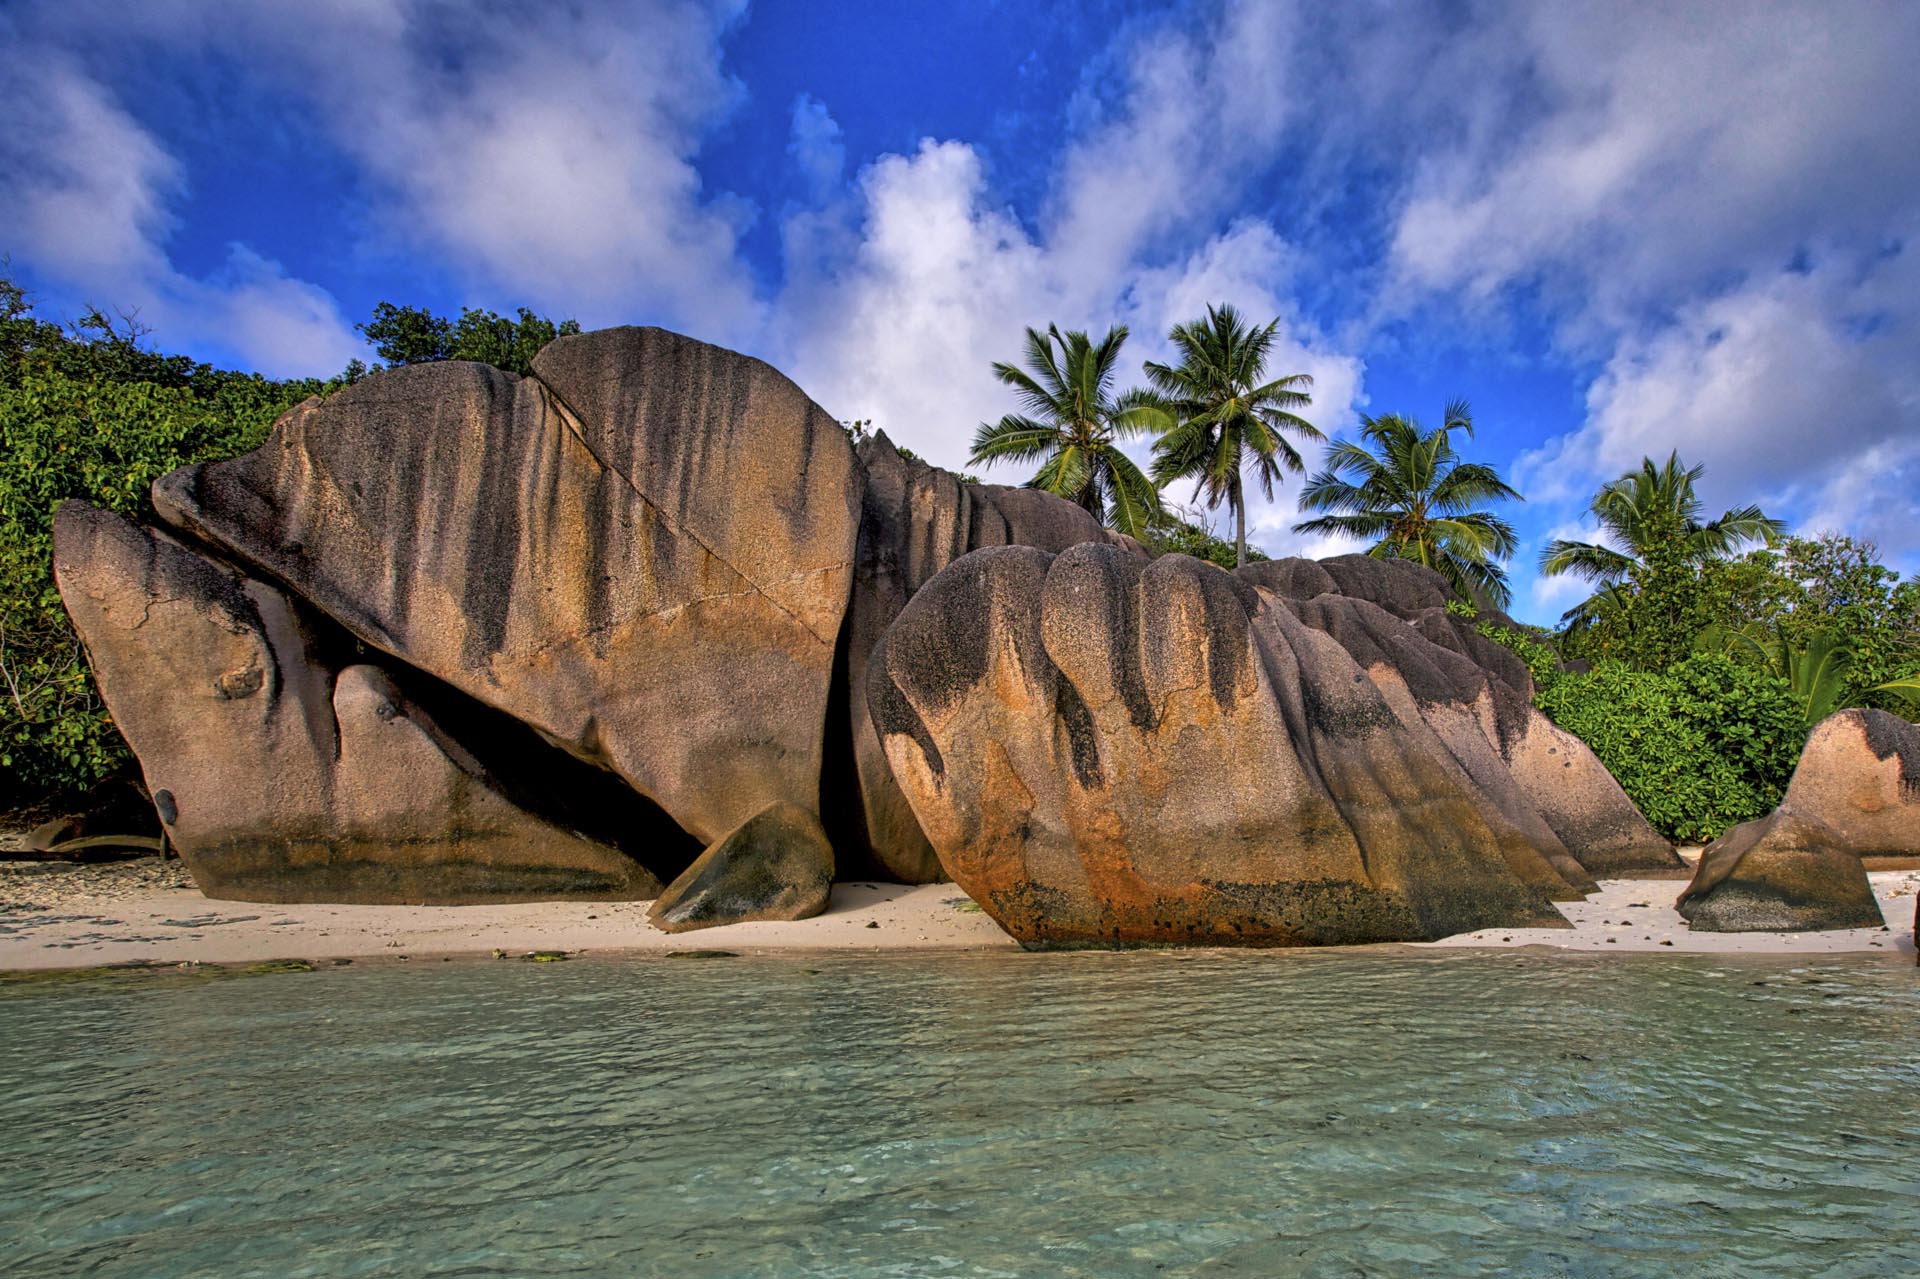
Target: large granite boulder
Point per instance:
(915, 520)
(1478, 695)
(1786, 872)
(644, 551)
(1860, 774)
(282, 775)
(775, 865)
(1106, 751)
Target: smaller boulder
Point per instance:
(777, 864)
(1785, 873)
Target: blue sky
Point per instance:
(1617, 229)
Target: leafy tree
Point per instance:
(1817, 668)
(1409, 491)
(1655, 592)
(1803, 588)
(1225, 420)
(1073, 425)
(415, 335)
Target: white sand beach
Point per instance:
(142, 911)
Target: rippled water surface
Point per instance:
(1086, 1115)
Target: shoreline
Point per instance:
(143, 912)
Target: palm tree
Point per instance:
(1410, 492)
(1225, 420)
(1074, 421)
(1640, 509)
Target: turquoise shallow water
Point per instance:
(1105, 1115)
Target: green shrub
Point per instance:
(1542, 659)
(105, 440)
(1702, 746)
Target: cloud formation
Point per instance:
(1717, 203)
(87, 192)
(1710, 208)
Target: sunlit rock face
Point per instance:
(1860, 774)
(279, 773)
(1478, 695)
(644, 551)
(477, 636)
(1106, 751)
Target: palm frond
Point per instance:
(1585, 560)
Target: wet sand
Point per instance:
(146, 911)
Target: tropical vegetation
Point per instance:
(1703, 745)
(1409, 492)
(1073, 425)
(1708, 665)
(414, 335)
(1226, 416)
(1647, 608)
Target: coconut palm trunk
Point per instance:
(1239, 524)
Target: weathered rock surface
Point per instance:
(1478, 696)
(1786, 872)
(1432, 688)
(1106, 751)
(644, 551)
(775, 865)
(915, 520)
(1860, 774)
(281, 777)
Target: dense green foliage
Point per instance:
(414, 335)
(1073, 424)
(1415, 497)
(1224, 416)
(1656, 574)
(1704, 744)
(1657, 546)
(1701, 746)
(1710, 666)
(88, 413)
